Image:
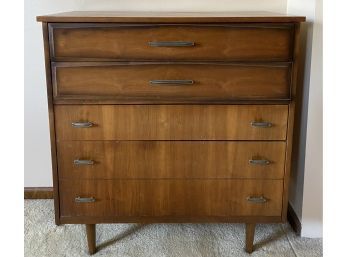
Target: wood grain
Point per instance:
(38, 193)
(165, 17)
(171, 122)
(171, 153)
(114, 100)
(131, 42)
(211, 81)
(291, 120)
(249, 237)
(176, 198)
(90, 233)
(169, 219)
(170, 159)
(52, 126)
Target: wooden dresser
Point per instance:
(171, 117)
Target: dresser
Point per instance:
(171, 117)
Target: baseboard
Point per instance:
(38, 193)
(294, 221)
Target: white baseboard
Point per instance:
(312, 229)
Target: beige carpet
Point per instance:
(44, 239)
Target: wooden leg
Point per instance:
(90, 231)
(249, 237)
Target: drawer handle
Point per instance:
(83, 162)
(171, 82)
(259, 161)
(82, 124)
(259, 124)
(171, 43)
(256, 199)
(84, 199)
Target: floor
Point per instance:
(43, 238)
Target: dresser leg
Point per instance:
(249, 237)
(90, 231)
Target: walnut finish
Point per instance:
(209, 42)
(216, 148)
(171, 122)
(51, 122)
(249, 237)
(174, 197)
(170, 159)
(90, 233)
(171, 17)
(209, 81)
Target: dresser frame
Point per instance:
(90, 222)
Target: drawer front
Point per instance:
(171, 122)
(170, 159)
(172, 42)
(172, 81)
(105, 198)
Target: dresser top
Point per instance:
(166, 17)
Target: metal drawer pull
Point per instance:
(83, 162)
(172, 82)
(84, 199)
(82, 124)
(256, 199)
(259, 161)
(261, 124)
(171, 43)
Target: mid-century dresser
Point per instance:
(171, 117)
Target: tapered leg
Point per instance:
(249, 237)
(90, 231)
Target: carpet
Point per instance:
(44, 239)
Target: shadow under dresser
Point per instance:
(171, 117)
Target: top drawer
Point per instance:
(249, 42)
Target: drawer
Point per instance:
(253, 42)
(170, 159)
(178, 198)
(172, 81)
(171, 122)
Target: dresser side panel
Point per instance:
(291, 119)
(51, 122)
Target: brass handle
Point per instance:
(171, 82)
(259, 161)
(261, 124)
(84, 199)
(256, 199)
(171, 43)
(82, 124)
(83, 162)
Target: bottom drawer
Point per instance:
(177, 198)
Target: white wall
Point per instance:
(306, 187)
(312, 208)
(37, 149)
(37, 157)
